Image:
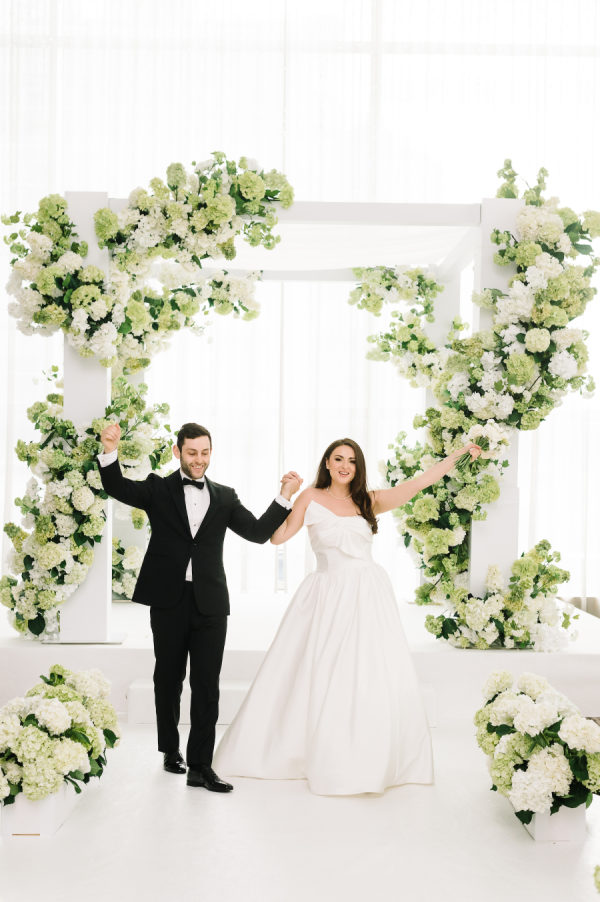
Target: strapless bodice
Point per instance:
(337, 541)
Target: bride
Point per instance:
(336, 700)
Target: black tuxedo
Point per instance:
(187, 618)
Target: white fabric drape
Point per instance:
(382, 100)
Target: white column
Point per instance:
(85, 616)
(496, 539)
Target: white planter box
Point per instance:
(40, 818)
(567, 825)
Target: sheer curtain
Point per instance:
(385, 100)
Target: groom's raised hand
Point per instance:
(110, 437)
(290, 483)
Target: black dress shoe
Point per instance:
(204, 775)
(173, 762)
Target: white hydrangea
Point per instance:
(4, 787)
(580, 733)
(564, 338)
(457, 384)
(89, 683)
(40, 779)
(503, 710)
(82, 498)
(499, 681)
(475, 614)
(133, 557)
(533, 718)
(51, 713)
(68, 755)
(10, 727)
(494, 580)
(532, 684)
(539, 223)
(65, 524)
(548, 771)
(549, 265)
(563, 364)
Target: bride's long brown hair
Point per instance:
(358, 486)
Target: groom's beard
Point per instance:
(199, 474)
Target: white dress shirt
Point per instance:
(197, 501)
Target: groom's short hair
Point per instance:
(191, 430)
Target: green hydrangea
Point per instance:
(176, 175)
(537, 340)
(220, 209)
(251, 186)
(520, 369)
(438, 541)
(106, 225)
(426, 507)
(591, 223)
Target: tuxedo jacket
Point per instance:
(162, 575)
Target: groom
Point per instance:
(182, 579)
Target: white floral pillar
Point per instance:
(496, 539)
(85, 616)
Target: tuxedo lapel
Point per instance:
(215, 500)
(175, 485)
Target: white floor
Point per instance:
(140, 833)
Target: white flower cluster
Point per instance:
(126, 563)
(530, 732)
(55, 732)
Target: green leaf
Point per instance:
(449, 627)
(31, 721)
(583, 248)
(76, 774)
(110, 738)
(501, 730)
(37, 625)
(524, 816)
(78, 736)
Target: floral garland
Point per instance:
(195, 215)
(192, 217)
(126, 563)
(63, 505)
(543, 753)
(57, 734)
(486, 386)
(122, 324)
(162, 236)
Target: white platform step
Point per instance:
(140, 701)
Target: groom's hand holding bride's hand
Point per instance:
(290, 483)
(110, 437)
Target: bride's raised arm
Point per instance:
(389, 499)
(295, 521)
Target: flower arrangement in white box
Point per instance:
(57, 733)
(543, 753)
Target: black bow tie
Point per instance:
(197, 484)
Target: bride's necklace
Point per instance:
(336, 497)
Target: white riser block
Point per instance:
(43, 817)
(140, 701)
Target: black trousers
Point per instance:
(180, 632)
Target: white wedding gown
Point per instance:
(336, 700)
